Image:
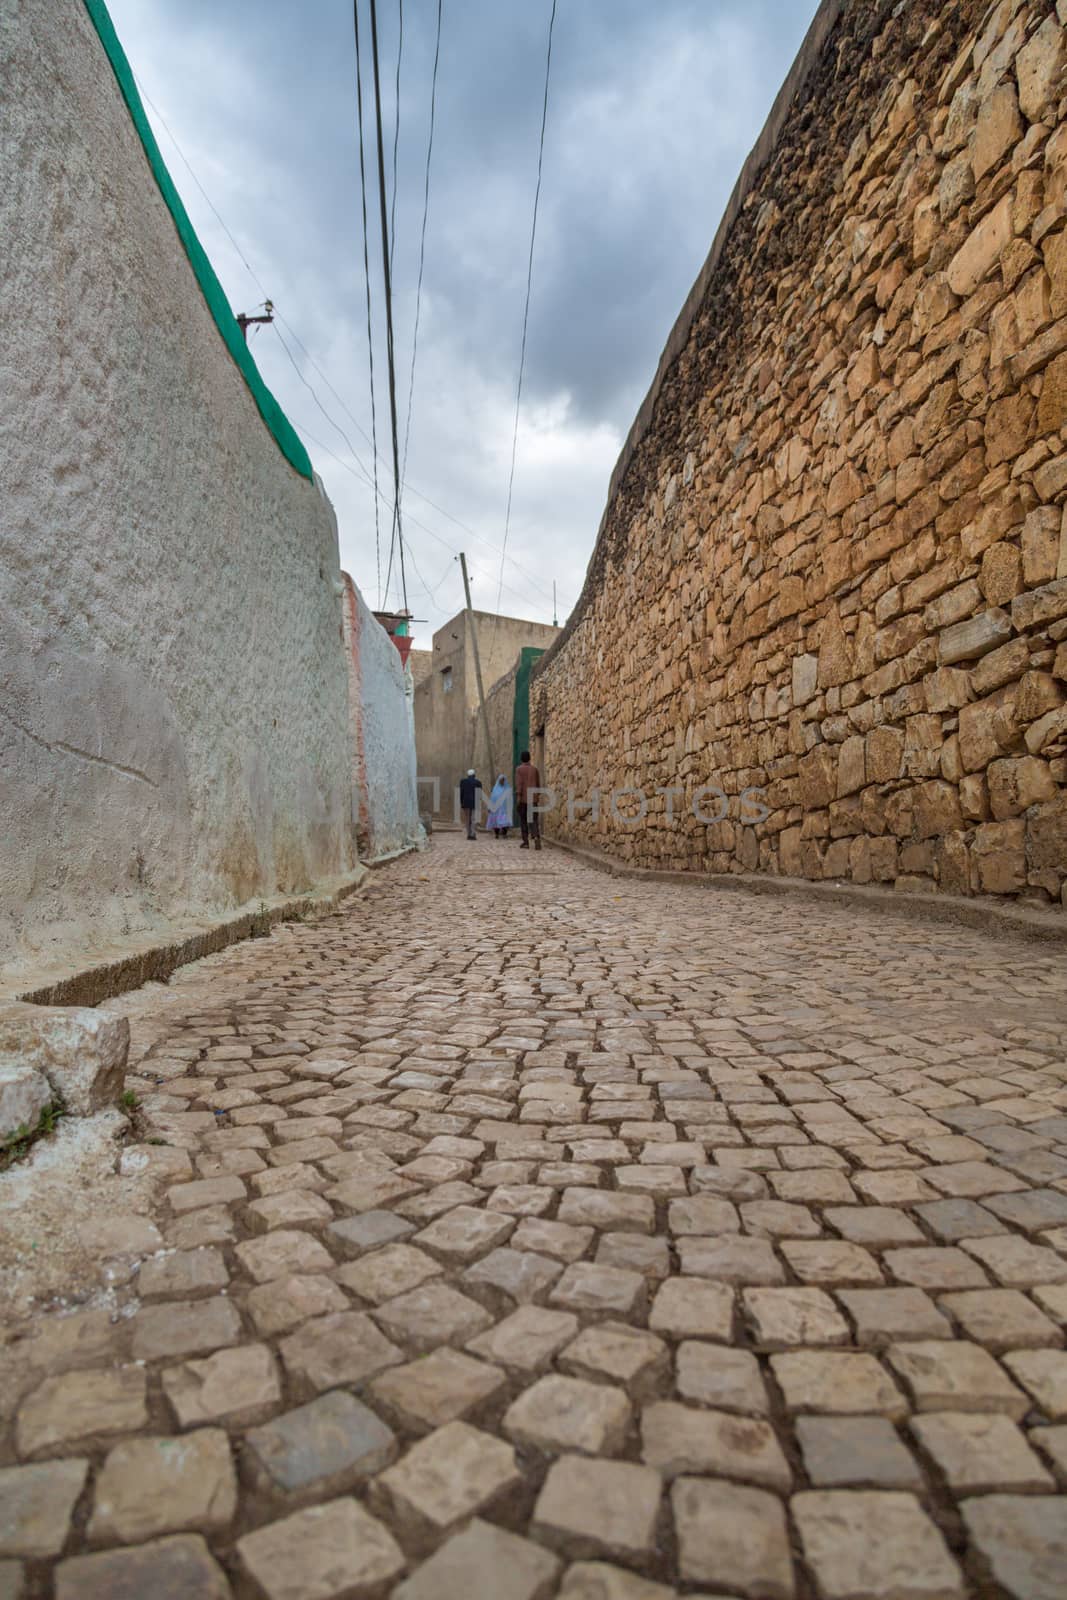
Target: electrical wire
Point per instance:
(526, 308)
(396, 138)
(322, 408)
(530, 577)
(366, 278)
(347, 467)
(398, 532)
(364, 477)
(422, 244)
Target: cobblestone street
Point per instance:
(522, 1232)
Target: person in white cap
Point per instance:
(468, 799)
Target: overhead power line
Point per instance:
(396, 137)
(526, 308)
(362, 476)
(366, 278)
(422, 243)
(355, 453)
(397, 537)
(414, 521)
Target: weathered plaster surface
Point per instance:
(172, 686)
(384, 799)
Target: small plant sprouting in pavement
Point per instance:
(18, 1144)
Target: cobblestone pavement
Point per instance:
(523, 1232)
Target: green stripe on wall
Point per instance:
(285, 435)
(520, 728)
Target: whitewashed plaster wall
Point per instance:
(173, 704)
(385, 801)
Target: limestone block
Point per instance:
(1055, 253)
(1000, 667)
(979, 252)
(1047, 730)
(952, 862)
(982, 728)
(331, 1549)
(805, 670)
(1041, 545)
(1008, 427)
(835, 656)
(1017, 783)
(998, 127)
(974, 797)
(883, 853)
(851, 774)
(817, 777)
(151, 1486)
(38, 1502)
(1052, 406)
(976, 636)
(1037, 693)
(925, 227)
(923, 740)
(1000, 858)
(1038, 606)
(24, 1093)
(937, 809)
(956, 186)
(865, 372)
(1046, 834)
(1000, 579)
(789, 857)
(874, 1543)
(81, 1052)
(1038, 69)
(845, 489)
(1033, 305)
(884, 754)
(179, 1566)
(1050, 480)
(996, 520)
(947, 689)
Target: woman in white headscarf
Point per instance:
(499, 818)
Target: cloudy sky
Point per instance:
(653, 106)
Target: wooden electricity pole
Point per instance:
(477, 665)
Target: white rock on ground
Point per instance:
(24, 1093)
(80, 1053)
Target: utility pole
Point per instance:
(244, 319)
(477, 663)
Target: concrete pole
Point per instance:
(477, 665)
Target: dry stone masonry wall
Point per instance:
(834, 560)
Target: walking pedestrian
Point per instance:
(527, 779)
(468, 799)
(499, 818)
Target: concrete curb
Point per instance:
(153, 958)
(983, 914)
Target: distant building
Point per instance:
(449, 736)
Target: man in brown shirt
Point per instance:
(527, 778)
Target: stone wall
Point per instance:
(385, 808)
(833, 564)
(173, 700)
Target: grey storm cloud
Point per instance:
(652, 110)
